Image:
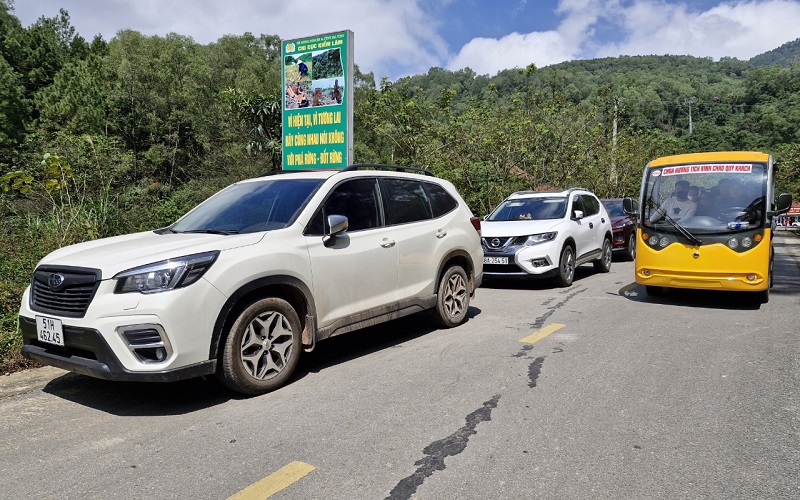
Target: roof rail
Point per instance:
(378, 166)
(567, 191)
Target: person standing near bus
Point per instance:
(678, 207)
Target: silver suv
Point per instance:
(546, 234)
(254, 275)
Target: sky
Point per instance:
(396, 38)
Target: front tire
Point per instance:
(603, 264)
(654, 291)
(452, 301)
(630, 251)
(566, 267)
(262, 348)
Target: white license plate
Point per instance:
(495, 260)
(49, 330)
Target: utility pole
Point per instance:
(689, 103)
(613, 176)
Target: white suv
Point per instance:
(257, 273)
(546, 234)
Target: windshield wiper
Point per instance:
(685, 232)
(211, 231)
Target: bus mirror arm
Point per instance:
(783, 205)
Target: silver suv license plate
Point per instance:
(495, 260)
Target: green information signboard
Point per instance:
(317, 76)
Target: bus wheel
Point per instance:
(654, 291)
(763, 296)
(630, 252)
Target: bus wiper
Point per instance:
(212, 231)
(685, 232)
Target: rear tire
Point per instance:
(452, 301)
(603, 264)
(566, 267)
(262, 347)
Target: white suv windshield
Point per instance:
(530, 209)
(706, 198)
(250, 207)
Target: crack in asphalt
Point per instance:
(436, 452)
(534, 370)
(550, 310)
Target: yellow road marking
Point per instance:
(275, 482)
(542, 333)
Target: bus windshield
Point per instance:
(705, 198)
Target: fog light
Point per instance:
(646, 272)
(751, 277)
(733, 243)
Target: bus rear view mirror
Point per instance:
(783, 205)
(628, 207)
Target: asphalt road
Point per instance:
(594, 391)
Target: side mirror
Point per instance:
(577, 214)
(783, 205)
(338, 225)
(629, 208)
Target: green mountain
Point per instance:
(785, 55)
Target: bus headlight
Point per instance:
(747, 242)
(653, 240)
(733, 243)
(663, 242)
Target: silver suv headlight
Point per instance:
(165, 275)
(535, 239)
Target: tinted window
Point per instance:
(250, 207)
(530, 209)
(404, 200)
(614, 208)
(591, 205)
(357, 200)
(441, 201)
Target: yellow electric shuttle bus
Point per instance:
(705, 222)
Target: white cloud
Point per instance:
(740, 29)
(393, 37)
(489, 55)
(399, 37)
(733, 29)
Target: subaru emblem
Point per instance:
(56, 280)
(495, 242)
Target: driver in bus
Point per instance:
(678, 207)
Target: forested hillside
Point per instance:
(104, 137)
(785, 55)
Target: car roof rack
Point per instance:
(394, 168)
(550, 191)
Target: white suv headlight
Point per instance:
(535, 239)
(165, 275)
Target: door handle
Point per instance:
(441, 233)
(591, 225)
(387, 243)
